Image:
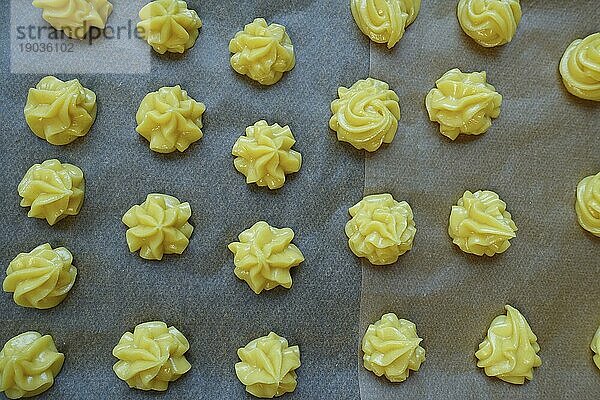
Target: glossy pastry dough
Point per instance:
(168, 25)
(158, 226)
(170, 120)
(267, 366)
(480, 224)
(384, 21)
(580, 67)
(366, 114)
(391, 348)
(381, 229)
(509, 352)
(588, 204)
(463, 103)
(262, 52)
(41, 278)
(264, 255)
(29, 364)
(53, 190)
(152, 356)
(265, 154)
(489, 22)
(60, 112)
(75, 17)
(595, 346)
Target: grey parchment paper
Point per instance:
(535, 153)
(198, 292)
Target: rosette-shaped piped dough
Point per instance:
(384, 21)
(479, 224)
(152, 356)
(595, 346)
(158, 226)
(60, 112)
(391, 348)
(168, 25)
(265, 154)
(53, 190)
(587, 205)
(264, 255)
(170, 120)
(381, 229)
(580, 67)
(75, 17)
(267, 366)
(41, 278)
(509, 352)
(489, 22)
(29, 364)
(262, 52)
(366, 114)
(463, 103)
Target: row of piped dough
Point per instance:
(153, 355)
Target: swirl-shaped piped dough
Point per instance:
(158, 226)
(580, 67)
(29, 363)
(587, 205)
(489, 22)
(60, 112)
(267, 366)
(152, 356)
(595, 346)
(381, 229)
(265, 154)
(262, 52)
(170, 120)
(366, 114)
(391, 348)
(41, 278)
(463, 103)
(384, 21)
(53, 190)
(479, 224)
(264, 255)
(509, 351)
(168, 25)
(75, 17)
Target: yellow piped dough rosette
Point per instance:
(264, 155)
(41, 278)
(60, 112)
(262, 52)
(479, 224)
(595, 346)
(391, 348)
(580, 67)
(381, 229)
(489, 22)
(158, 226)
(152, 356)
(384, 21)
(53, 190)
(29, 363)
(264, 255)
(366, 114)
(170, 119)
(587, 205)
(168, 25)
(463, 103)
(267, 366)
(509, 351)
(75, 17)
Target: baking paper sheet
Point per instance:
(535, 153)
